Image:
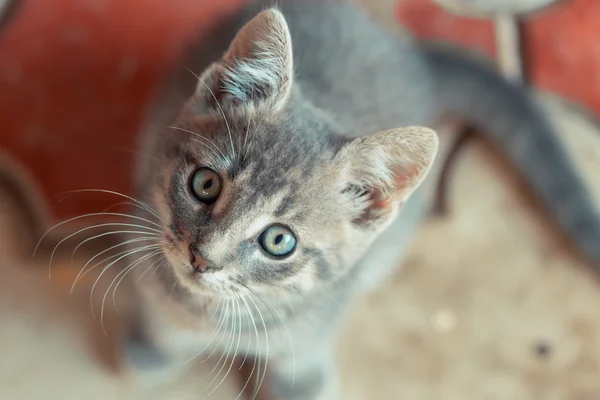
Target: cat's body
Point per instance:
(277, 132)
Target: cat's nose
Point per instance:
(199, 263)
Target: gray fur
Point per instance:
(319, 151)
(525, 135)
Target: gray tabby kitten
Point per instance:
(291, 180)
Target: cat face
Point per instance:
(259, 190)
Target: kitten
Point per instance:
(292, 179)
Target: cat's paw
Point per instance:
(139, 353)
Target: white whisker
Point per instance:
(247, 145)
(266, 357)
(257, 356)
(200, 139)
(156, 265)
(129, 253)
(236, 328)
(220, 109)
(128, 203)
(81, 273)
(80, 231)
(123, 272)
(102, 235)
(140, 203)
(276, 316)
(156, 253)
(227, 311)
(220, 322)
(142, 239)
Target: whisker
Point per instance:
(220, 322)
(276, 316)
(266, 357)
(200, 139)
(103, 235)
(246, 146)
(258, 355)
(220, 340)
(235, 303)
(206, 142)
(220, 109)
(216, 309)
(123, 273)
(139, 202)
(86, 216)
(81, 273)
(237, 347)
(267, 306)
(156, 265)
(130, 253)
(78, 232)
(248, 316)
(249, 145)
(195, 137)
(161, 260)
(128, 203)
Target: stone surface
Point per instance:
(495, 312)
(501, 313)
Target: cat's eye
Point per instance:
(206, 185)
(277, 240)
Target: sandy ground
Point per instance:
(489, 305)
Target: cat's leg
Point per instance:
(154, 357)
(308, 377)
(139, 350)
(150, 343)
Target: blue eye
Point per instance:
(277, 240)
(206, 185)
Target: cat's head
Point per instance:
(257, 188)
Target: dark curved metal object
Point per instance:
(8, 9)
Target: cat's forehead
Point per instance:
(296, 140)
(285, 165)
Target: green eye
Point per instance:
(277, 240)
(206, 185)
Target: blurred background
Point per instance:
(500, 311)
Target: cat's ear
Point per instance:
(385, 168)
(258, 66)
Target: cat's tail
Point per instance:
(513, 118)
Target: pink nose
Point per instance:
(198, 263)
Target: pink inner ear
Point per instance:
(406, 180)
(379, 206)
(380, 202)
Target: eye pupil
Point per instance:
(205, 185)
(277, 240)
